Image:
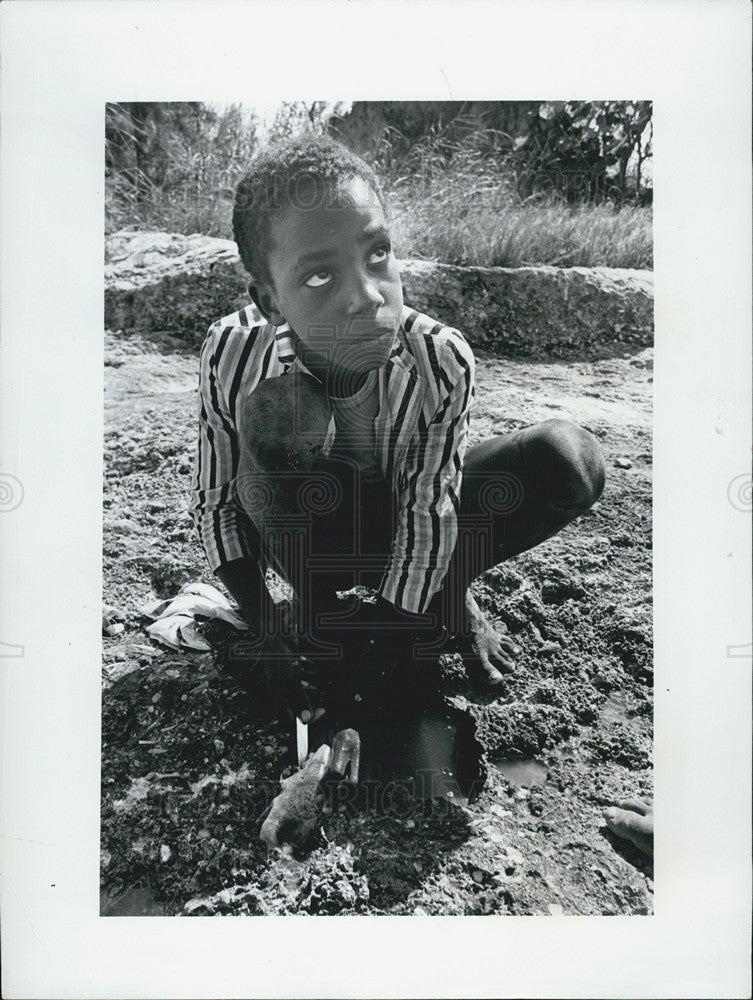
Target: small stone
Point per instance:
(548, 648)
(113, 630)
(268, 750)
(418, 866)
(623, 463)
(522, 794)
(203, 834)
(419, 911)
(156, 506)
(477, 876)
(555, 909)
(142, 650)
(165, 852)
(410, 824)
(156, 697)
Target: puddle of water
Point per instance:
(522, 770)
(137, 901)
(615, 707)
(430, 754)
(424, 753)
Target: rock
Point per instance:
(499, 811)
(535, 310)
(165, 281)
(295, 810)
(548, 648)
(623, 463)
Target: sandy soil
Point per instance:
(187, 770)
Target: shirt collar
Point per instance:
(285, 342)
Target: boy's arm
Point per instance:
(226, 534)
(429, 499)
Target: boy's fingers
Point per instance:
(298, 701)
(303, 701)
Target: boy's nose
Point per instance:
(364, 296)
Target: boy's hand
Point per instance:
(273, 653)
(286, 685)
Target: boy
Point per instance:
(333, 428)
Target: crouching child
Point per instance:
(333, 434)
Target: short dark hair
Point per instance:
(300, 170)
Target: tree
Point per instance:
(584, 149)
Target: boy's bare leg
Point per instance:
(518, 490)
(283, 428)
(319, 528)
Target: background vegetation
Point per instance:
(487, 183)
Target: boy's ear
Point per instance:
(265, 301)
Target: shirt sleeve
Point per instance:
(429, 493)
(225, 532)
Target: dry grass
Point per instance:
(477, 220)
(460, 209)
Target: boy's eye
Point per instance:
(318, 279)
(380, 254)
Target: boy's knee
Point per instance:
(574, 462)
(284, 421)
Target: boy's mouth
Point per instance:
(369, 351)
(368, 335)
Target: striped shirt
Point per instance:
(426, 388)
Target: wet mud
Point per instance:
(468, 803)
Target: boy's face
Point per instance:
(334, 277)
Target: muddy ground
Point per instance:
(187, 769)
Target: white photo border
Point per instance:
(61, 63)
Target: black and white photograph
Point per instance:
(375, 499)
(377, 547)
